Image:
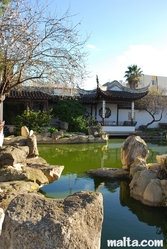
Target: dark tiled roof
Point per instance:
(112, 91)
(35, 95)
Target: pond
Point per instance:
(123, 216)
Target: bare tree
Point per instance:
(37, 46)
(155, 104)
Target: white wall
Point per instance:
(112, 107)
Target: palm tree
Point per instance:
(133, 75)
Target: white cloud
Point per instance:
(91, 46)
(151, 60)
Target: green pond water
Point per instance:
(123, 216)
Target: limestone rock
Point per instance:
(10, 155)
(52, 172)
(12, 140)
(32, 144)
(24, 131)
(154, 166)
(35, 175)
(112, 173)
(161, 158)
(153, 194)
(133, 147)
(2, 216)
(140, 181)
(139, 164)
(10, 173)
(38, 222)
(10, 190)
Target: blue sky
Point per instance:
(122, 32)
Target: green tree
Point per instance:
(3, 5)
(72, 112)
(133, 75)
(154, 103)
(38, 47)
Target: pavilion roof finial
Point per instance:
(97, 80)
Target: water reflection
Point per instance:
(123, 216)
(151, 216)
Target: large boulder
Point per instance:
(33, 221)
(10, 155)
(132, 148)
(140, 181)
(153, 194)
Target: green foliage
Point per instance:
(35, 121)
(52, 129)
(72, 112)
(133, 75)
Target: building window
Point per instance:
(107, 112)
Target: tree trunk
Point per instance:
(1, 120)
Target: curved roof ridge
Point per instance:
(138, 90)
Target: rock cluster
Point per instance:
(145, 183)
(65, 138)
(27, 218)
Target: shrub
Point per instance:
(72, 112)
(35, 121)
(52, 129)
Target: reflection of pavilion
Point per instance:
(113, 106)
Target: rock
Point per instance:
(52, 172)
(10, 173)
(154, 166)
(32, 144)
(139, 164)
(132, 148)
(37, 171)
(47, 139)
(39, 137)
(104, 136)
(12, 140)
(140, 181)
(35, 175)
(24, 131)
(10, 155)
(91, 138)
(38, 222)
(161, 158)
(10, 190)
(35, 161)
(64, 126)
(2, 216)
(153, 194)
(112, 173)
(55, 135)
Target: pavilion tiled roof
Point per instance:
(113, 91)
